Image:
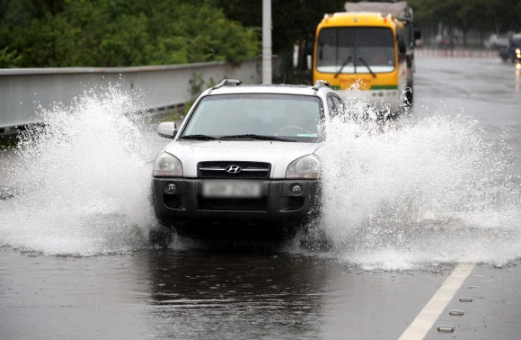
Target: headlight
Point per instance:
(304, 167)
(167, 165)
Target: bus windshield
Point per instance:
(355, 50)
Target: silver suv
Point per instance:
(245, 162)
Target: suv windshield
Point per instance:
(355, 50)
(251, 116)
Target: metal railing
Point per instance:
(429, 52)
(26, 92)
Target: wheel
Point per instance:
(407, 100)
(160, 236)
(314, 238)
(409, 97)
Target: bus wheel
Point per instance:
(408, 97)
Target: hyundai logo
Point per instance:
(233, 169)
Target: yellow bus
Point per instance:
(370, 49)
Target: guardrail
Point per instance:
(25, 92)
(455, 53)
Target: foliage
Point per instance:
(9, 59)
(292, 20)
(498, 16)
(197, 84)
(47, 33)
(104, 33)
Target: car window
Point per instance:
(335, 105)
(293, 116)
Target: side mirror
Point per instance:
(417, 35)
(167, 130)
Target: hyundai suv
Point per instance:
(245, 162)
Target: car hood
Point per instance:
(278, 154)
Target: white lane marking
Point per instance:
(432, 310)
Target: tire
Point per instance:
(160, 236)
(407, 101)
(409, 98)
(314, 238)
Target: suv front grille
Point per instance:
(250, 170)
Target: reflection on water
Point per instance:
(222, 296)
(518, 69)
(277, 296)
(199, 295)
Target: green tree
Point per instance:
(9, 59)
(293, 22)
(498, 16)
(45, 41)
(207, 36)
(51, 33)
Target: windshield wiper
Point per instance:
(366, 65)
(259, 137)
(198, 137)
(343, 65)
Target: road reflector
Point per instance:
(446, 329)
(456, 312)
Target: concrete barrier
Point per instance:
(25, 92)
(455, 53)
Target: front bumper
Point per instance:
(276, 204)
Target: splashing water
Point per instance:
(399, 196)
(82, 180)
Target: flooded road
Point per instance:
(425, 222)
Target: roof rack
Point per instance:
(320, 83)
(227, 82)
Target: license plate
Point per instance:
(240, 189)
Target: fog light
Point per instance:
(171, 188)
(296, 189)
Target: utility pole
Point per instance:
(266, 42)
